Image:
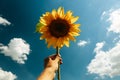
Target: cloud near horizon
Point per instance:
(7, 75)
(4, 21)
(17, 49)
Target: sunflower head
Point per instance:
(57, 27)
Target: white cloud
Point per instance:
(4, 21)
(7, 75)
(17, 49)
(105, 63)
(83, 43)
(99, 46)
(114, 19)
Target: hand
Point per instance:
(53, 61)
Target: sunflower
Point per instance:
(58, 28)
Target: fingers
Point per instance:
(60, 61)
(56, 57)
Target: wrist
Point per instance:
(47, 74)
(50, 69)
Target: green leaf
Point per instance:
(38, 26)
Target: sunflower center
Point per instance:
(59, 28)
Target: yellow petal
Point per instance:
(59, 42)
(61, 12)
(46, 14)
(74, 19)
(76, 25)
(71, 37)
(43, 29)
(54, 14)
(53, 40)
(74, 33)
(42, 21)
(50, 43)
(66, 42)
(72, 29)
(68, 15)
(47, 18)
(44, 36)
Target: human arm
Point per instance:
(51, 65)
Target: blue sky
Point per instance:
(94, 55)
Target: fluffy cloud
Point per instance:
(105, 63)
(82, 43)
(4, 21)
(7, 75)
(17, 49)
(113, 17)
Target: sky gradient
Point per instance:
(94, 56)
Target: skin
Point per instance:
(50, 67)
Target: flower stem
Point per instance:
(58, 71)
